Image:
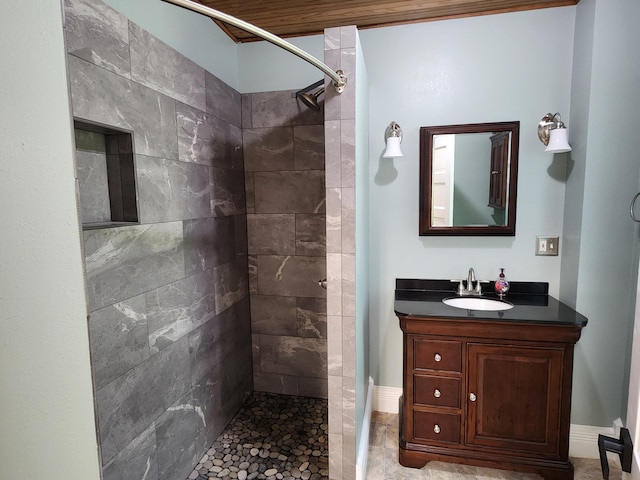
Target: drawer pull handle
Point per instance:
(436, 428)
(437, 357)
(436, 393)
(472, 397)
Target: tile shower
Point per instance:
(171, 299)
(284, 171)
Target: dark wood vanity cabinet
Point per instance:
(487, 393)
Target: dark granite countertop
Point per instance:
(532, 303)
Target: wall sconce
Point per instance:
(553, 133)
(393, 139)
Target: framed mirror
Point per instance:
(469, 179)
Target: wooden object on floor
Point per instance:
(487, 393)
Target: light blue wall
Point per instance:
(363, 260)
(195, 36)
(46, 399)
(578, 133)
(265, 67)
(483, 69)
(601, 283)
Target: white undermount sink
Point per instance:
(477, 303)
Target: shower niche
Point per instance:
(106, 175)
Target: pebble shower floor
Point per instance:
(272, 437)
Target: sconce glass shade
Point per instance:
(393, 148)
(558, 141)
(393, 138)
(553, 133)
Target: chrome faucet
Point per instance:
(470, 289)
(471, 277)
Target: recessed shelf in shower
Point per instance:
(106, 175)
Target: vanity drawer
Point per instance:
(441, 427)
(436, 391)
(437, 355)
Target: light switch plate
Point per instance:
(548, 246)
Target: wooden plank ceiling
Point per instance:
(292, 18)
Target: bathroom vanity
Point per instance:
(487, 388)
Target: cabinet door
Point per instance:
(499, 170)
(514, 397)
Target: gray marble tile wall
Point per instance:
(284, 175)
(340, 53)
(91, 168)
(169, 322)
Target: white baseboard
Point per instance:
(583, 439)
(385, 399)
(363, 450)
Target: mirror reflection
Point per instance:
(468, 176)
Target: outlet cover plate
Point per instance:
(547, 245)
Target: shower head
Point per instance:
(311, 99)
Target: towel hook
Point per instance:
(631, 208)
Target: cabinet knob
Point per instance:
(437, 357)
(436, 393)
(436, 428)
(472, 397)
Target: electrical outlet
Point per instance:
(547, 245)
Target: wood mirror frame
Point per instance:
(503, 181)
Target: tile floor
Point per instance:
(272, 437)
(383, 461)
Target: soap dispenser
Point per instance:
(502, 285)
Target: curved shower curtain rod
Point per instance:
(338, 77)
